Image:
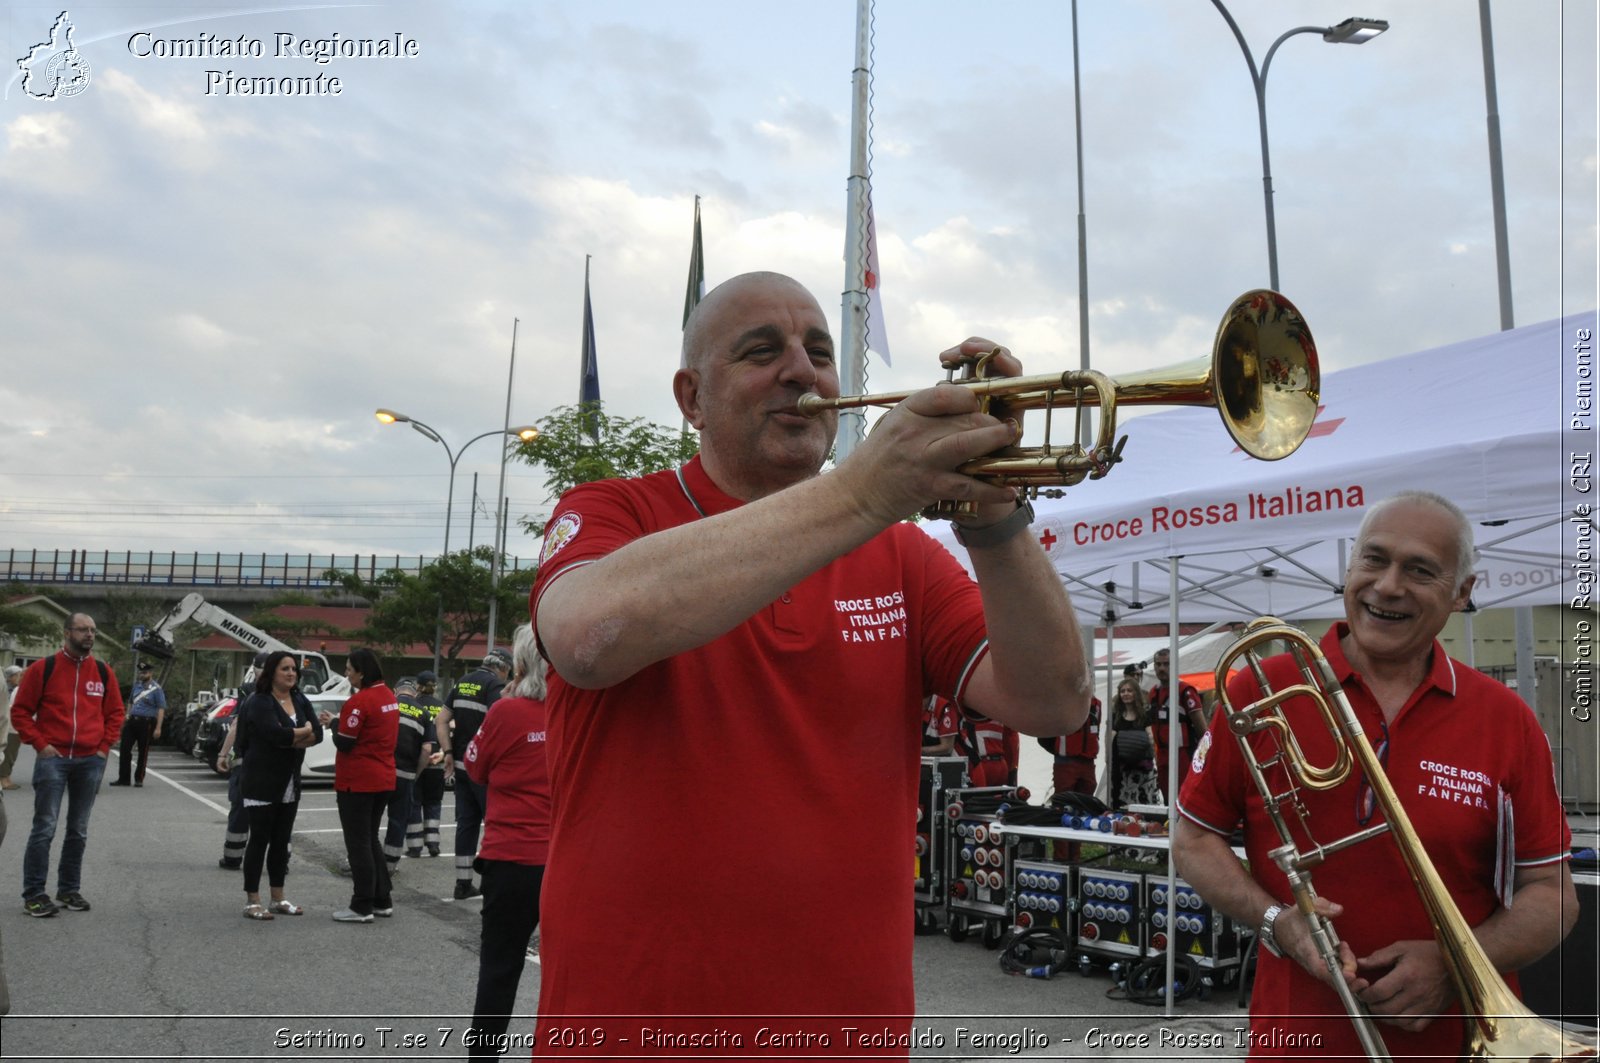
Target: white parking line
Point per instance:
(176, 785)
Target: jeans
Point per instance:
(5, 990)
(78, 779)
(510, 914)
(359, 816)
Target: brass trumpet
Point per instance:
(1262, 376)
(1499, 1026)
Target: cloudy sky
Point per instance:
(206, 294)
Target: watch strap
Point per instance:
(1000, 531)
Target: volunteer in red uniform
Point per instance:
(748, 640)
(507, 758)
(1470, 766)
(991, 750)
(940, 722)
(363, 781)
(1191, 723)
(1075, 755)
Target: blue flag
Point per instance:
(589, 381)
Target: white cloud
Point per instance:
(167, 117)
(37, 132)
(202, 334)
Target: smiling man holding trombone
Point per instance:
(1399, 949)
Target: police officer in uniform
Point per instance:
(458, 722)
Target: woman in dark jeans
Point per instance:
(276, 725)
(363, 779)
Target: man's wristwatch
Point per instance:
(1264, 931)
(998, 532)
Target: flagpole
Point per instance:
(694, 290)
(1083, 232)
(589, 375)
(500, 496)
(853, 308)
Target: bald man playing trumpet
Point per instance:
(744, 645)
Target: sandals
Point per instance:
(256, 911)
(286, 908)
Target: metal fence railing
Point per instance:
(203, 569)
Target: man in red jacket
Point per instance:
(69, 709)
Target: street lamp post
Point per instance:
(525, 433)
(1350, 31)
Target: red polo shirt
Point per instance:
(508, 756)
(1472, 769)
(372, 718)
(714, 800)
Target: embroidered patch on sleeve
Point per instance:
(559, 534)
(1198, 763)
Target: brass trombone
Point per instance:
(1262, 376)
(1499, 1026)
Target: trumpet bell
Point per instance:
(1265, 374)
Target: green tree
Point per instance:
(405, 606)
(23, 625)
(628, 446)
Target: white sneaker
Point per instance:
(350, 915)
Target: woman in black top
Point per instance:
(276, 726)
(1133, 750)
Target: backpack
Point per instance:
(50, 666)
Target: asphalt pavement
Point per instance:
(165, 968)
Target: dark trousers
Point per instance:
(270, 827)
(136, 731)
(510, 914)
(427, 804)
(359, 816)
(238, 831)
(471, 799)
(399, 811)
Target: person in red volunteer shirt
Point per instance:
(1074, 755)
(751, 635)
(71, 717)
(1469, 764)
(363, 781)
(507, 758)
(991, 750)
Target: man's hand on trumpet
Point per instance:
(910, 459)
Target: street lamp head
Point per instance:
(527, 433)
(1355, 31)
(390, 417)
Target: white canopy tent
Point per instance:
(1485, 422)
(1190, 528)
